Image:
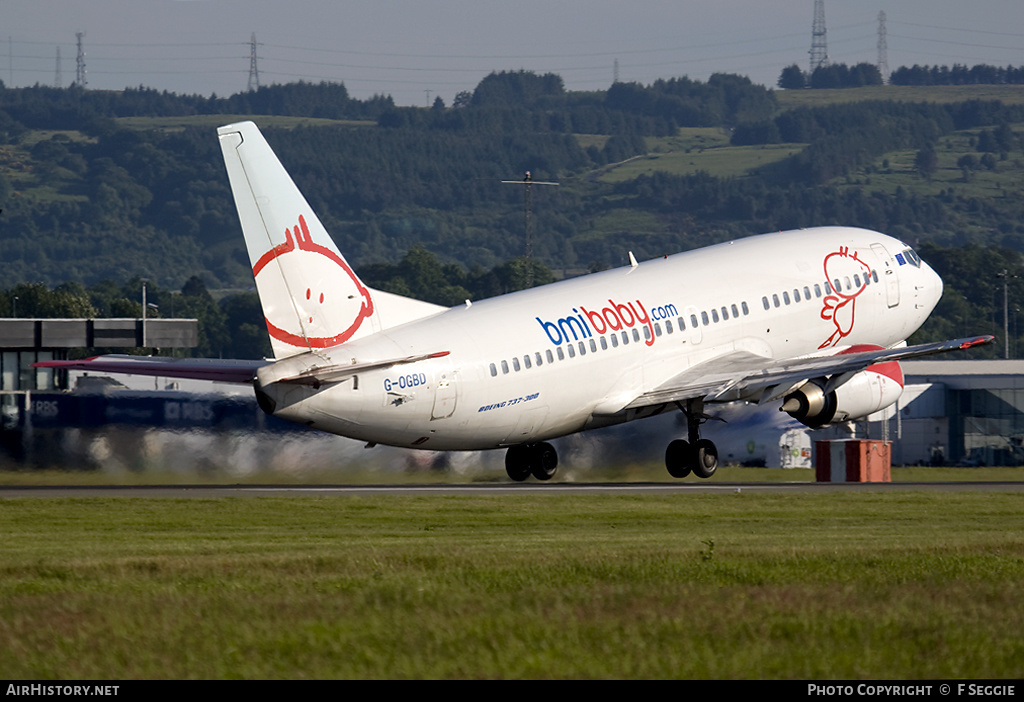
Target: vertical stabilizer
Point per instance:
(311, 297)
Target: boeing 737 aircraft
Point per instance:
(815, 320)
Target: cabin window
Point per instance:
(583, 349)
(681, 323)
(796, 295)
(668, 326)
(764, 301)
(571, 350)
(874, 276)
(504, 367)
(625, 338)
(807, 293)
(604, 343)
(836, 286)
(551, 359)
(593, 345)
(704, 318)
(494, 371)
(657, 329)
(856, 280)
(735, 312)
(746, 310)
(526, 361)
(785, 297)
(615, 340)
(849, 285)
(647, 333)
(817, 290)
(693, 321)
(714, 316)
(828, 288)
(636, 335)
(775, 299)
(561, 353)
(515, 364)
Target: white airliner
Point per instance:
(815, 320)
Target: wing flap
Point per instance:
(316, 376)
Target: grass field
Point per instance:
(893, 584)
(697, 149)
(211, 122)
(1009, 94)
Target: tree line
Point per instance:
(233, 326)
(839, 75)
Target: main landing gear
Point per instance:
(539, 460)
(699, 456)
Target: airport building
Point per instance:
(955, 412)
(27, 341)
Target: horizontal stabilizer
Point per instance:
(219, 370)
(315, 376)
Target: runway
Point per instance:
(474, 489)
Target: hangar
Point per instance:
(960, 413)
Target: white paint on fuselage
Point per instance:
(410, 404)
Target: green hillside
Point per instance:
(101, 186)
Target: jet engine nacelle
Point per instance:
(872, 389)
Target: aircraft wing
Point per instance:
(743, 375)
(220, 370)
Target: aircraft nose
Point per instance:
(931, 287)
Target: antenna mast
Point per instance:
(883, 49)
(819, 43)
(80, 79)
(528, 182)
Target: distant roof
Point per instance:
(22, 333)
(959, 374)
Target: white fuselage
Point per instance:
(554, 360)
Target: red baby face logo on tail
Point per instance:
(840, 307)
(311, 297)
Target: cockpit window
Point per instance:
(908, 256)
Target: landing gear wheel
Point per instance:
(545, 461)
(517, 463)
(678, 458)
(706, 458)
(539, 460)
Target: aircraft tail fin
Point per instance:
(311, 297)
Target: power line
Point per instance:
(961, 29)
(957, 43)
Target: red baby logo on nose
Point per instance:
(323, 313)
(840, 307)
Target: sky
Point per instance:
(418, 50)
